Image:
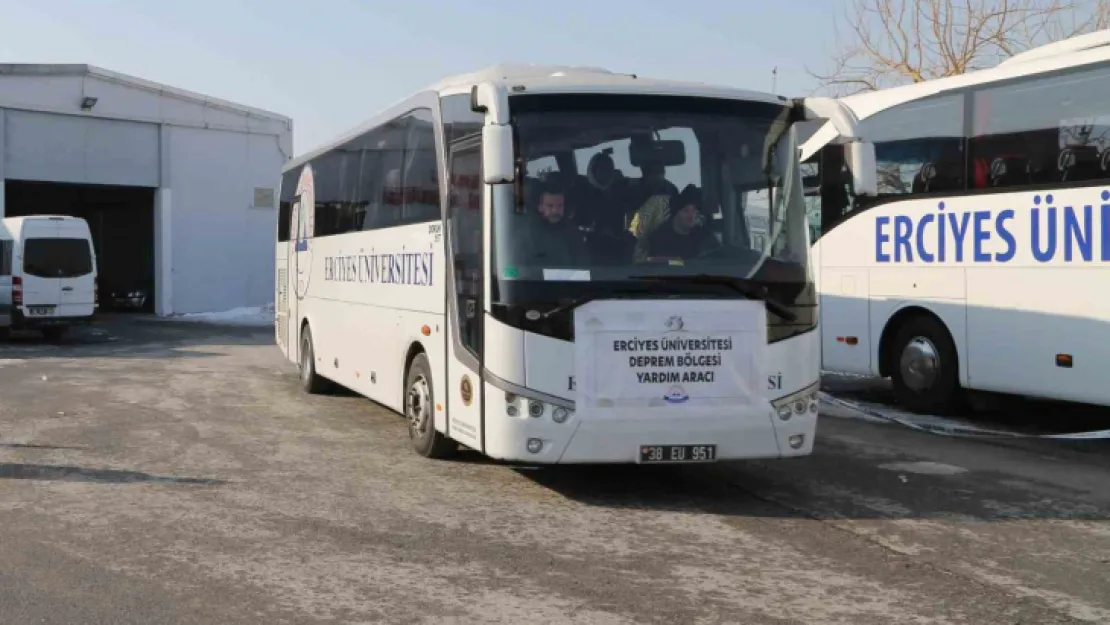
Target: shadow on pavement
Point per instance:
(53, 473)
(859, 470)
(991, 411)
(124, 335)
(41, 447)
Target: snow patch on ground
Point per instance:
(924, 468)
(256, 316)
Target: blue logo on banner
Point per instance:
(675, 395)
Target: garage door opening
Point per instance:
(121, 220)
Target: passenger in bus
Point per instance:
(684, 236)
(652, 195)
(553, 240)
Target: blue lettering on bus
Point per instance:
(407, 268)
(1069, 232)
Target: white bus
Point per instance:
(984, 262)
(467, 259)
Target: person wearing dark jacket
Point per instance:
(683, 236)
(552, 240)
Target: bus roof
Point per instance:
(546, 79)
(573, 78)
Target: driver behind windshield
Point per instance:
(684, 236)
(553, 240)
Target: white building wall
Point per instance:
(67, 148)
(222, 245)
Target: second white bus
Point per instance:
(984, 261)
(553, 265)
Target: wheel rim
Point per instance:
(418, 405)
(920, 364)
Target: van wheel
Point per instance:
(311, 382)
(420, 412)
(54, 333)
(925, 370)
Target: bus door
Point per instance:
(845, 308)
(299, 266)
(467, 266)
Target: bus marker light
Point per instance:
(426, 331)
(1063, 360)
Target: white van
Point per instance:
(47, 273)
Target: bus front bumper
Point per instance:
(771, 431)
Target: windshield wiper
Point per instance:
(585, 299)
(740, 285)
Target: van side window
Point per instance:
(6, 249)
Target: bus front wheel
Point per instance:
(311, 382)
(924, 367)
(420, 412)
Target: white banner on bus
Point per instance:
(637, 355)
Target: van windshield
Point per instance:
(57, 258)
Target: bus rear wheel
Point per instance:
(924, 367)
(420, 412)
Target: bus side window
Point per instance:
(919, 146)
(1064, 137)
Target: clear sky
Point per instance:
(330, 64)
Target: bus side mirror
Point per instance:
(498, 165)
(860, 157)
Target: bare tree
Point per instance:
(893, 42)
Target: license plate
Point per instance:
(677, 453)
(40, 310)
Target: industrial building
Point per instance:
(179, 189)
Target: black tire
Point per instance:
(54, 333)
(311, 382)
(420, 412)
(924, 367)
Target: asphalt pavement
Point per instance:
(163, 472)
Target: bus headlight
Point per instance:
(535, 409)
(797, 404)
(560, 415)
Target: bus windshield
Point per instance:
(612, 189)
